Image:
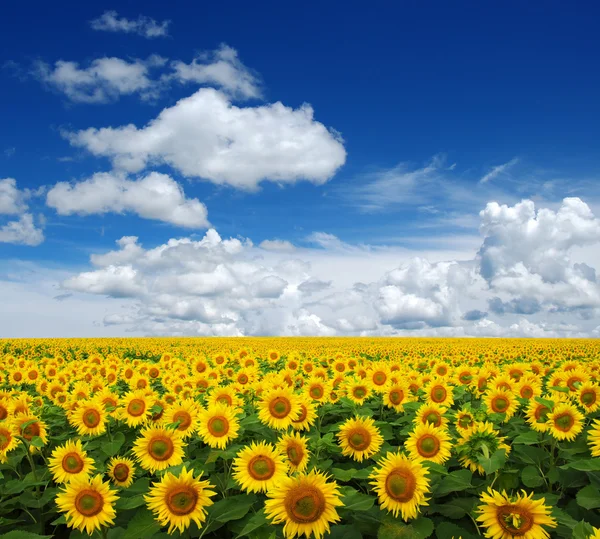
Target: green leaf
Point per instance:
(454, 482)
(547, 403)
(344, 532)
(343, 475)
(589, 497)
(356, 501)
(131, 502)
(258, 520)
(530, 476)
(587, 465)
(494, 463)
(423, 526)
(141, 525)
(396, 528)
(18, 534)
(111, 448)
(583, 530)
(232, 508)
(36, 441)
(447, 530)
(455, 508)
(528, 438)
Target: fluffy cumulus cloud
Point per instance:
(154, 196)
(206, 136)
(143, 25)
(23, 229)
(218, 286)
(221, 68)
(103, 81)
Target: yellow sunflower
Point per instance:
(305, 503)
(177, 500)
(8, 442)
(401, 485)
(359, 438)
(296, 448)
(439, 392)
(184, 412)
(278, 408)
(258, 467)
(357, 391)
(427, 442)
(588, 397)
(88, 504)
(121, 471)
(28, 427)
(396, 395)
(134, 408)
(565, 422)
(158, 448)
(481, 440)
(70, 461)
(432, 413)
(593, 438)
(89, 418)
(224, 395)
(506, 518)
(218, 425)
(500, 401)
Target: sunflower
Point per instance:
(89, 418)
(317, 389)
(401, 485)
(218, 425)
(359, 438)
(28, 427)
(121, 471)
(184, 413)
(565, 422)
(507, 518)
(439, 392)
(481, 440)
(529, 387)
(177, 500)
(134, 408)
(273, 356)
(306, 503)
(224, 395)
(8, 441)
(70, 461)
(588, 397)
(308, 414)
(278, 408)
(378, 377)
(4, 409)
(395, 396)
(499, 401)
(158, 448)
(432, 413)
(464, 420)
(427, 442)
(593, 438)
(88, 504)
(258, 467)
(358, 391)
(296, 448)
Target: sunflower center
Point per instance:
(218, 426)
(184, 418)
(400, 485)
(359, 439)
(526, 392)
(136, 407)
(465, 378)
(261, 468)
(428, 446)
(379, 378)
(5, 439)
(541, 414)
(396, 396)
(274, 356)
(243, 379)
(514, 520)
(182, 500)
(303, 414)
(91, 418)
(31, 430)
(588, 397)
(280, 407)
(304, 504)
(434, 419)
(225, 399)
(17, 376)
(564, 421)
(316, 392)
(121, 472)
(360, 392)
(499, 404)
(89, 502)
(438, 394)
(200, 367)
(72, 463)
(161, 448)
(572, 381)
(482, 384)
(465, 421)
(442, 370)
(295, 453)
(3, 413)
(340, 367)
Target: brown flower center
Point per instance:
(280, 407)
(400, 485)
(184, 418)
(121, 472)
(295, 453)
(89, 502)
(304, 504)
(261, 467)
(136, 407)
(161, 448)
(564, 422)
(514, 520)
(91, 418)
(72, 463)
(428, 446)
(182, 500)
(359, 438)
(438, 394)
(218, 426)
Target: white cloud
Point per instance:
(498, 170)
(277, 245)
(155, 196)
(12, 201)
(144, 26)
(205, 136)
(221, 68)
(22, 231)
(105, 80)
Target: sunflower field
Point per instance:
(299, 437)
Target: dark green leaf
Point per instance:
(528, 438)
(589, 497)
(141, 525)
(587, 465)
(454, 482)
(258, 519)
(232, 508)
(111, 448)
(583, 530)
(531, 477)
(356, 501)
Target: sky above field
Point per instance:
(280, 169)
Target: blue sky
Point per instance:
(419, 116)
